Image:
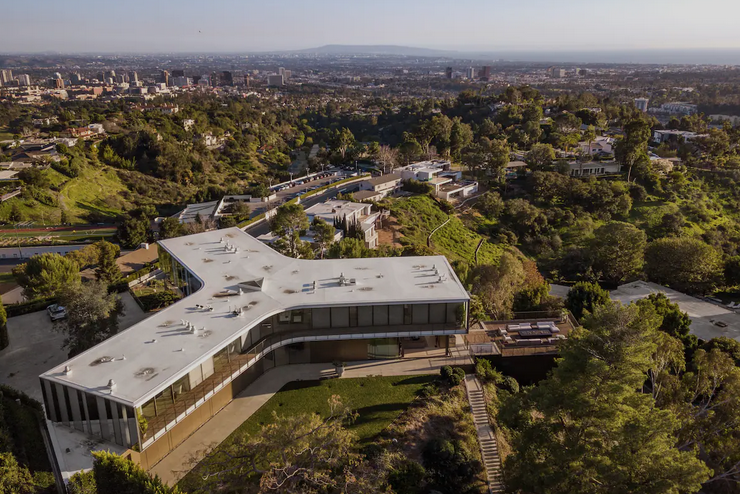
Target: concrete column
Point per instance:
(87, 414)
(51, 408)
(116, 423)
(74, 403)
(62, 403)
(104, 429)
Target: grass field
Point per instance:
(419, 215)
(378, 401)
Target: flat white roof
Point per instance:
(155, 352)
(333, 208)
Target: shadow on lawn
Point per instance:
(417, 380)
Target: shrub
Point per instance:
(510, 384)
(416, 187)
(158, 300)
(450, 465)
(114, 474)
(407, 478)
(486, 372)
(30, 306)
(453, 376)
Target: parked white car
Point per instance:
(56, 312)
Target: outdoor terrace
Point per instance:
(529, 333)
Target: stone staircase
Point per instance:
(486, 437)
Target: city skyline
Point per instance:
(468, 26)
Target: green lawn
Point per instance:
(378, 401)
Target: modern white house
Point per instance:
(358, 213)
(453, 191)
(246, 309)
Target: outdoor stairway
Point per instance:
(486, 438)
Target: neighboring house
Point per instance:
(79, 132)
(661, 136)
(423, 171)
(97, 128)
(602, 145)
(334, 211)
(213, 210)
(594, 168)
(454, 191)
(247, 309)
(384, 185)
(513, 168)
(367, 195)
(188, 123)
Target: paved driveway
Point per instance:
(36, 346)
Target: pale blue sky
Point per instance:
(250, 25)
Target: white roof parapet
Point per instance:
(241, 288)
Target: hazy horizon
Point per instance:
(231, 26)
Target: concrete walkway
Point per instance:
(175, 465)
(486, 437)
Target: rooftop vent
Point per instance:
(145, 372)
(111, 384)
(67, 369)
(101, 360)
(255, 285)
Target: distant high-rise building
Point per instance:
(556, 72)
(642, 104)
(120, 78)
(448, 72)
(181, 81)
(227, 79)
(6, 75)
(246, 80)
(287, 74)
(165, 78)
(75, 79)
(281, 71)
(133, 77)
(24, 80)
(470, 73)
(58, 83)
(485, 72)
(275, 80)
(178, 73)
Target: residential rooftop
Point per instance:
(334, 208)
(238, 271)
(384, 179)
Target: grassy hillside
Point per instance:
(98, 194)
(419, 215)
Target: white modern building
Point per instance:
(357, 213)
(680, 108)
(246, 309)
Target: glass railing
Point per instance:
(225, 369)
